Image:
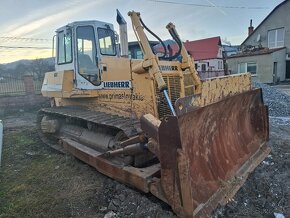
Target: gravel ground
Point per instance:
(278, 102)
(122, 201)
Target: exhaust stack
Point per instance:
(123, 34)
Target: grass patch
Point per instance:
(37, 182)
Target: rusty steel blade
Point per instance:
(213, 150)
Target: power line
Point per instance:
(10, 38)
(23, 47)
(208, 6)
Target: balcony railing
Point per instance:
(210, 74)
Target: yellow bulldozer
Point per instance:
(152, 123)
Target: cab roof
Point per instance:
(94, 23)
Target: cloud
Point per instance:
(40, 22)
(49, 18)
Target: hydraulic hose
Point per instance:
(153, 34)
(173, 35)
(179, 43)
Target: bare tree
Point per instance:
(39, 67)
(1, 69)
(19, 71)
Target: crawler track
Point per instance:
(129, 127)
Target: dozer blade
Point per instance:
(207, 154)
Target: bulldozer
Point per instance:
(152, 123)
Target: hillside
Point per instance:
(13, 65)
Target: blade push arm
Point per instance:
(150, 59)
(187, 62)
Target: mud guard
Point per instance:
(207, 154)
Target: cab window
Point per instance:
(107, 41)
(64, 48)
(87, 54)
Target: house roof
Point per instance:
(199, 49)
(256, 52)
(278, 6)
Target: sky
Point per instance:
(26, 24)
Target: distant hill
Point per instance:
(13, 65)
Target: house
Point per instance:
(207, 55)
(135, 51)
(266, 51)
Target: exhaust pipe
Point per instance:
(123, 34)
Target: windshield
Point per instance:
(107, 41)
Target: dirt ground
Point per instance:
(36, 181)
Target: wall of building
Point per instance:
(279, 57)
(211, 64)
(220, 52)
(279, 18)
(264, 66)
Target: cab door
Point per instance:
(88, 75)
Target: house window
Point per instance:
(242, 68)
(252, 68)
(220, 65)
(203, 67)
(276, 38)
(247, 67)
(139, 54)
(220, 52)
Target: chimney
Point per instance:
(250, 28)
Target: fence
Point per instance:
(21, 93)
(10, 86)
(209, 74)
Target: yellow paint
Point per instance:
(148, 76)
(143, 97)
(217, 88)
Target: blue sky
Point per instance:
(39, 19)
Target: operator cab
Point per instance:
(80, 46)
